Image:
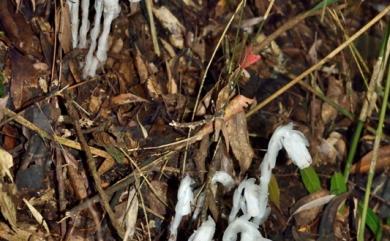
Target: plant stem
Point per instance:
(353, 148)
(371, 173)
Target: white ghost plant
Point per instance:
(205, 232)
(185, 197)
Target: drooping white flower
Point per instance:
(295, 144)
(183, 206)
(224, 178)
(205, 232)
(248, 230)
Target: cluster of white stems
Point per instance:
(250, 200)
(97, 52)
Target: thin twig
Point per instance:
(92, 166)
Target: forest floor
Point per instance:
(191, 89)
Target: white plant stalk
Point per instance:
(199, 205)
(224, 178)
(205, 232)
(89, 60)
(84, 23)
(295, 143)
(247, 229)
(111, 10)
(74, 20)
(185, 197)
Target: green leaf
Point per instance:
(310, 179)
(372, 221)
(337, 184)
(322, 4)
(274, 191)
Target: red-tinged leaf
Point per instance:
(249, 58)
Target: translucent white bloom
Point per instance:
(247, 229)
(295, 143)
(205, 232)
(224, 178)
(183, 206)
(247, 198)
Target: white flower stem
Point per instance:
(84, 23)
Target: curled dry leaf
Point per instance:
(383, 161)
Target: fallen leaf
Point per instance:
(7, 206)
(172, 24)
(3, 104)
(142, 68)
(127, 98)
(6, 162)
(249, 58)
(383, 161)
(131, 215)
(306, 209)
(38, 217)
(238, 137)
(335, 92)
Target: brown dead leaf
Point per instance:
(127, 98)
(335, 92)
(3, 104)
(23, 76)
(63, 24)
(172, 24)
(237, 134)
(160, 189)
(76, 176)
(142, 68)
(7, 206)
(200, 157)
(363, 166)
(154, 88)
(6, 163)
(236, 105)
(307, 216)
(222, 100)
